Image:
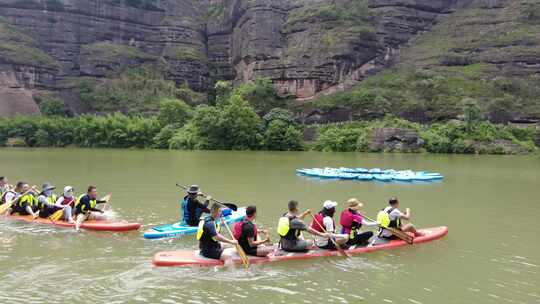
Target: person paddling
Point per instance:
(67, 202)
(192, 208)
(46, 201)
(351, 221)
(209, 236)
(323, 222)
(290, 227)
(247, 235)
(27, 204)
(391, 217)
(7, 193)
(85, 207)
(4, 186)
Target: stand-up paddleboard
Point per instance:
(179, 229)
(105, 225)
(193, 258)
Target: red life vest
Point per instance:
(68, 201)
(347, 218)
(238, 227)
(319, 227)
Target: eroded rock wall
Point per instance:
(307, 47)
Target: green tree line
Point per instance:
(233, 123)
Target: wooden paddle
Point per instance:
(239, 248)
(398, 233)
(5, 207)
(338, 247)
(56, 215)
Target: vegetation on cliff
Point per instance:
(19, 48)
(484, 52)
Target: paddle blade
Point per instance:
(402, 235)
(56, 216)
(5, 207)
(243, 256)
(106, 198)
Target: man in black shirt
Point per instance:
(246, 233)
(192, 208)
(209, 236)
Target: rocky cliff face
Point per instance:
(307, 47)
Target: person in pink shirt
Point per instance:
(351, 221)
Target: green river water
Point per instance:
(491, 205)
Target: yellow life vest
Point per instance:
(383, 218)
(200, 229)
(28, 198)
(284, 228)
(50, 200)
(93, 203)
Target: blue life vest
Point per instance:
(184, 210)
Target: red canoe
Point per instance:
(106, 225)
(192, 257)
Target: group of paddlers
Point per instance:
(290, 227)
(24, 200)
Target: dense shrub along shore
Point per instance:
(252, 117)
(232, 124)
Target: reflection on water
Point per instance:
(488, 256)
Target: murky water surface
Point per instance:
(490, 203)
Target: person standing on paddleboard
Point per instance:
(246, 233)
(85, 207)
(290, 227)
(209, 236)
(351, 221)
(192, 208)
(46, 201)
(323, 222)
(391, 217)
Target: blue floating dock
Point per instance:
(376, 174)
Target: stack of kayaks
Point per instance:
(377, 174)
(180, 229)
(105, 225)
(193, 258)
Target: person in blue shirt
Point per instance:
(209, 236)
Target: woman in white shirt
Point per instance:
(323, 222)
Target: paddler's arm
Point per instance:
(253, 243)
(96, 210)
(407, 215)
(369, 223)
(223, 239)
(303, 215)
